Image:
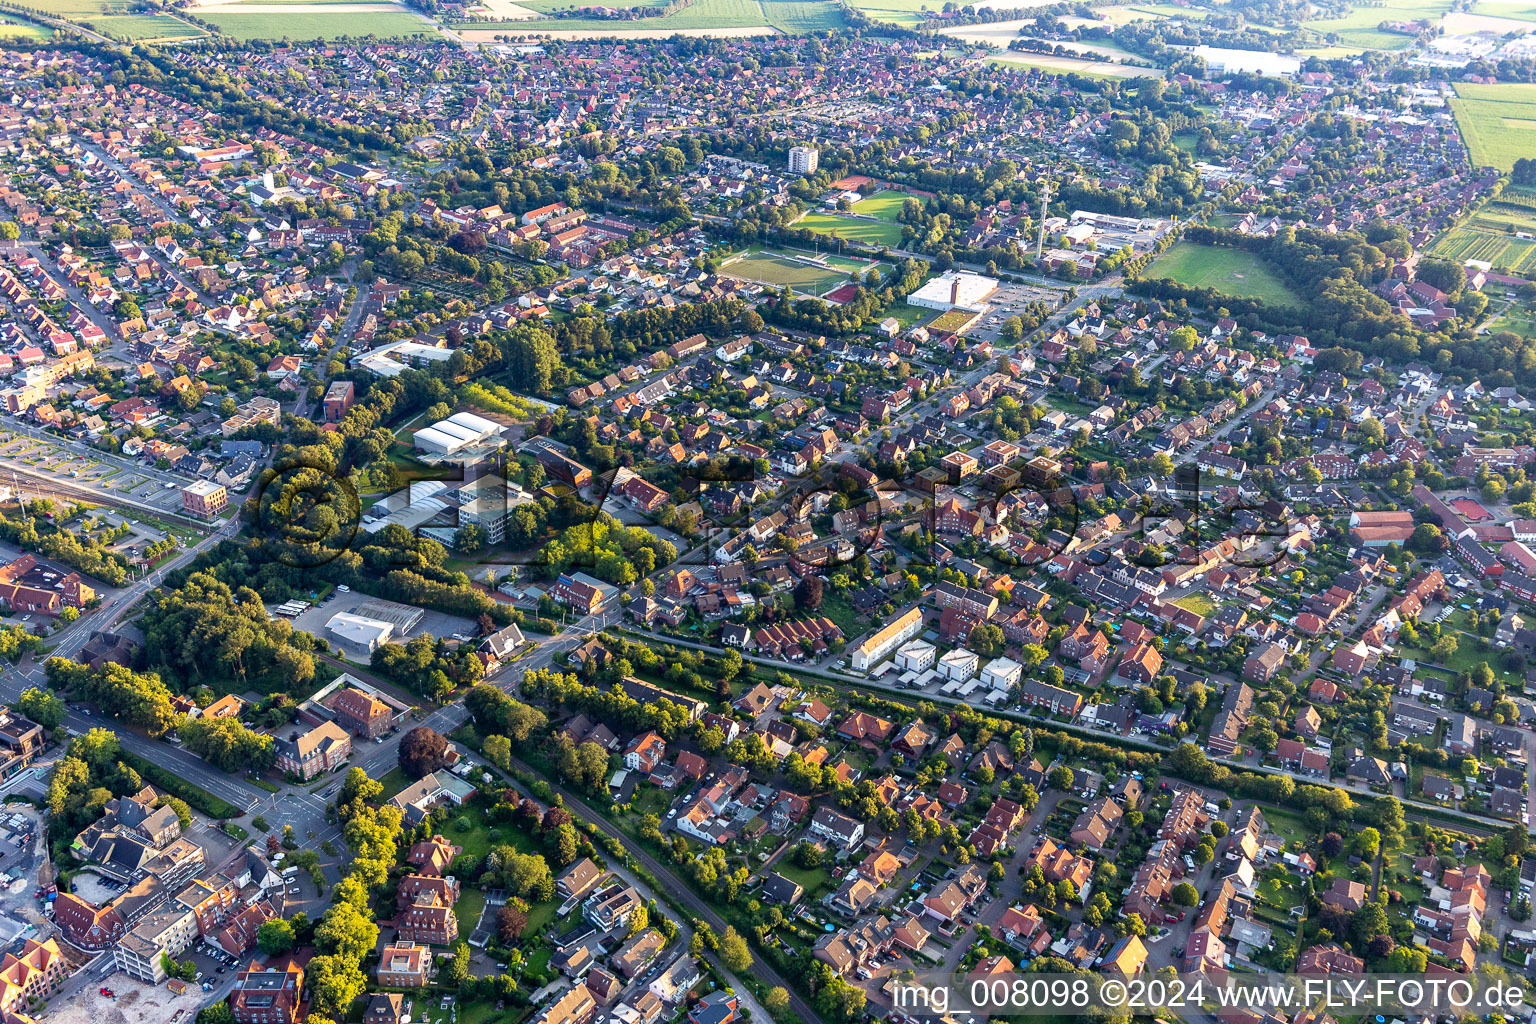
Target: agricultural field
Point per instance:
(1497, 122)
(549, 6)
(1520, 10)
(1489, 234)
(803, 17)
(707, 17)
(1358, 27)
(116, 18)
(883, 205)
(145, 26)
(769, 268)
(1229, 271)
(871, 232)
(316, 25)
(906, 13)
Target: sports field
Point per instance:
(1229, 271)
(883, 205)
(1497, 122)
(870, 232)
(770, 269)
(1489, 234)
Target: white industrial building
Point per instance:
(360, 631)
(955, 290)
(1002, 673)
(457, 433)
(958, 665)
(916, 656)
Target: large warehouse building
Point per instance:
(955, 290)
(359, 630)
(457, 433)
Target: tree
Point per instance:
(1444, 649)
(734, 952)
(808, 592)
(499, 750)
(423, 751)
(1061, 778)
(1185, 895)
(532, 357)
(359, 787)
(471, 538)
(457, 972)
(275, 937)
(1369, 921)
(1183, 339)
(1367, 844)
(335, 982)
(776, 1001)
(42, 706)
(220, 1013)
(1332, 845)
(511, 922)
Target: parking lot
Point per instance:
(1008, 301)
(23, 860)
(432, 623)
(76, 463)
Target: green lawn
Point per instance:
(21, 29)
(318, 26)
(467, 910)
(842, 614)
(871, 232)
(468, 828)
(883, 205)
(1200, 604)
(393, 782)
(812, 880)
(1497, 122)
(1229, 271)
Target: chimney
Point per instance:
(954, 291)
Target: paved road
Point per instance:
(30, 672)
(696, 905)
(843, 682)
